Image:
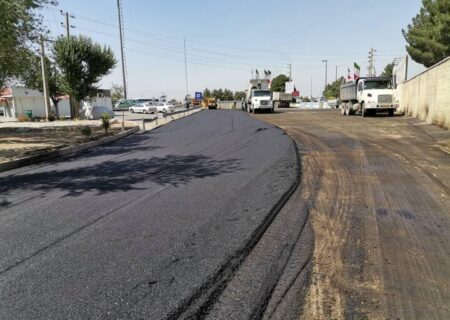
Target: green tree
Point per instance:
(238, 95)
(332, 91)
(32, 78)
(428, 36)
(83, 63)
(388, 70)
(207, 93)
(21, 25)
(228, 95)
(117, 93)
(279, 83)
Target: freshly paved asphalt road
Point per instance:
(143, 228)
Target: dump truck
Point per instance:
(281, 99)
(258, 96)
(367, 96)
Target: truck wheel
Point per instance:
(363, 110)
(343, 111)
(348, 109)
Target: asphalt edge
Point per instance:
(198, 305)
(51, 155)
(307, 227)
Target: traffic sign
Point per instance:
(198, 95)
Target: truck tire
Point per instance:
(343, 111)
(348, 109)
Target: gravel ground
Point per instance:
(377, 192)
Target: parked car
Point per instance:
(125, 104)
(95, 112)
(165, 107)
(145, 107)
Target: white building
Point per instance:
(17, 101)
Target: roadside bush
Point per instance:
(36, 119)
(22, 118)
(105, 121)
(51, 118)
(86, 131)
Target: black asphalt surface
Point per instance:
(144, 228)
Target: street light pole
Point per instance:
(326, 73)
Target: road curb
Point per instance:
(14, 164)
(194, 111)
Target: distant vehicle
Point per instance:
(95, 112)
(209, 103)
(164, 107)
(124, 104)
(145, 107)
(368, 96)
(281, 99)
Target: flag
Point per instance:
(357, 70)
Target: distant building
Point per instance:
(16, 101)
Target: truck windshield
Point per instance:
(377, 85)
(261, 93)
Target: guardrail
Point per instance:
(166, 114)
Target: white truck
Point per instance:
(258, 96)
(282, 99)
(367, 96)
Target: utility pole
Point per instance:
(311, 89)
(290, 71)
(67, 24)
(44, 79)
(121, 35)
(371, 62)
(326, 73)
(336, 73)
(185, 67)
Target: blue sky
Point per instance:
(227, 39)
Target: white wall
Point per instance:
(427, 96)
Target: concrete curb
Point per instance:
(14, 164)
(190, 113)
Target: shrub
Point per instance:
(86, 131)
(51, 118)
(105, 121)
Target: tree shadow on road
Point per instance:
(123, 175)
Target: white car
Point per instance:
(165, 107)
(145, 107)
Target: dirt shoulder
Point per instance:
(378, 196)
(19, 140)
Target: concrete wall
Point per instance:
(427, 95)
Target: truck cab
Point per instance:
(261, 100)
(368, 96)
